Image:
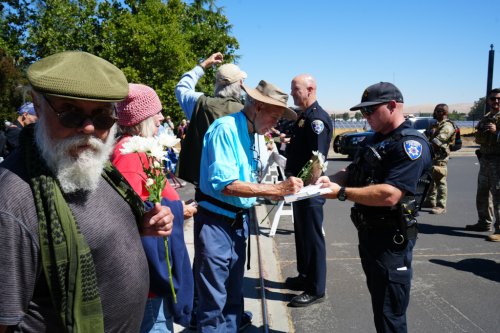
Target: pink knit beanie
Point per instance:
(141, 103)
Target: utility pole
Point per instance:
(489, 80)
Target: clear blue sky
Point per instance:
(433, 50)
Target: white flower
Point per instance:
(168, 140)
(157, 151)
(149, 182)
(130, 146)
(135, 144)
(321, 159)
(325, 166)
(148, 144)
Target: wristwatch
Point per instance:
(341, 195)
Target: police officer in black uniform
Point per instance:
(383, 182)
(311, 132)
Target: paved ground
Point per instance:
(269, 272)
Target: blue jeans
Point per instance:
(219, 268)
(157, 318)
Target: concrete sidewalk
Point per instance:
(264, 269)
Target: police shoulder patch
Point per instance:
(317, 126)
(413, 149)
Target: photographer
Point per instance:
(488, 180)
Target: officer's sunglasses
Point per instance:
(369, 110)
(493, 99)
(74, 117)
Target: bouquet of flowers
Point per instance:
(313, 168)
(155, 150)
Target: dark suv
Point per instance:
(348, 143)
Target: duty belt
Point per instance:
(404, 228)
(363, 219)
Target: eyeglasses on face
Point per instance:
(493, 99)
(369, 110)
(73, 117)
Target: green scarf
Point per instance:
(66, 258)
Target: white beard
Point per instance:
(82, 172)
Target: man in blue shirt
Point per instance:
(227, 190)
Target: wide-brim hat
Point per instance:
(78, 75)
(268, 93)
(379, 93)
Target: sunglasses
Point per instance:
(73, 117)
(369, 110)
(494, 99)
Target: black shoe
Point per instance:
(480, 226)
(306, 299)
(193, 323)
(296, 283)
(246, 320)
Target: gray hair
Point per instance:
(230, 90)
(145, 128)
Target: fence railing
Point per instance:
(363, 124)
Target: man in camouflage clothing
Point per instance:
(488, 181)
(441, 136)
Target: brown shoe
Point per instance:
(479, 227)
(493, 237)
(438, 210)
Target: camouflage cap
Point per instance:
(78, 75)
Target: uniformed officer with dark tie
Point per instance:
(311, 132)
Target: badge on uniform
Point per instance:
(413, 149)
(317, 126)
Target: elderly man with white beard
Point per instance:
(70, 225)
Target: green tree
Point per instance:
(345, 116)
(358, 116)
(477, 110)
(11, 82)
(208, 31)
(61, 25)
(147, 43)
(154, 42)
(13, 28)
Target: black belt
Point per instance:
(375, 220)
(234, 222)
(200, 196)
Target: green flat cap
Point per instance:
(78, 75)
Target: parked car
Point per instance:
(348, 143)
